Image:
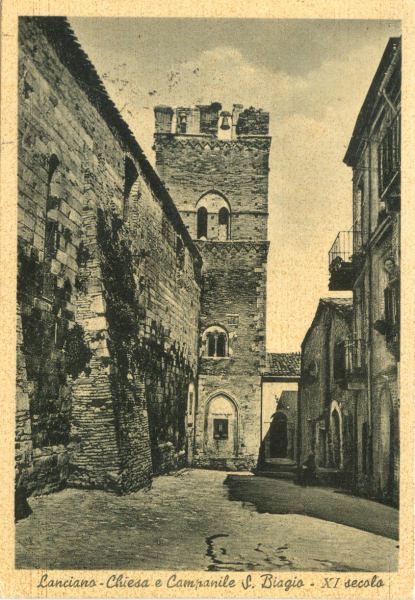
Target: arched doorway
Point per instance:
(221, 428)
(336, 439)
(278, 436)
(384, 441)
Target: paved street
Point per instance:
(187, 521)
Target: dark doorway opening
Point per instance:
(336, 440)
(278, 438)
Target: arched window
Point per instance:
(221, 345)
(202, 223)
(211, 344)
(215, 341)
(213, 217)
(223, 224)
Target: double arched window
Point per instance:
(215, 342)
(213, 217)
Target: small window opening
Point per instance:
(223, 224)
(220, 429)
(182, 123)
(211, 345)
(202, 222)
(221, 345)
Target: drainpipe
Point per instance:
(327, 394)
(299, 404)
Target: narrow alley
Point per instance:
(197, 526)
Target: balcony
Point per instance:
(344, 264)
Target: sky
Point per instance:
(311, 75)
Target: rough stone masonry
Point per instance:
(109, 285)
(141, 325)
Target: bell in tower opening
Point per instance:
(225, 120)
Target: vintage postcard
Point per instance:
(207, 300)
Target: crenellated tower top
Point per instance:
(211, 120)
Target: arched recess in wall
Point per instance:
(336, 435)
(384, 441)
(278, 436)
(191, 402)
(53, 199)
(130, 181)
(221, 425)
(213, 217)
(215, 342)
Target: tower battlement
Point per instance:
(211, 120)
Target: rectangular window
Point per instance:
(220, 429)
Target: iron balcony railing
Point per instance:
(344, 260)
(342, 247)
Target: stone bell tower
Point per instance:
(215, 165)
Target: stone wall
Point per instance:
(109, 283)
(233, 297)
(238, 169)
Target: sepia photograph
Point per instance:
(207, 300)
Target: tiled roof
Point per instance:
(343, 305)
(283, 364)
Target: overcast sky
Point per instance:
(311, 75)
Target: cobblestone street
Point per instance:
(186, 521)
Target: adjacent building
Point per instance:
(366, 261)
(326, 412)
(374, 156)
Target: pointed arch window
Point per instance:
(202, 219)
(223, 224)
